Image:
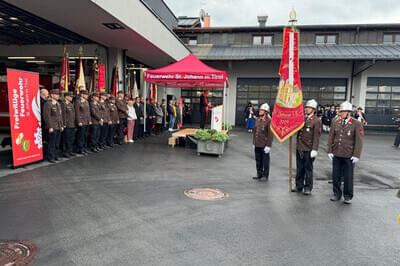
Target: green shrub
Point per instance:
(210, 134)
(227, 125)
(202, 135)
(219, 137)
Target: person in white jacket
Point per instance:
(131, 120)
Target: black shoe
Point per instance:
(257, 177)
(52, 161)
(298, 190)
(307, 192)
(72, 154)
(347, 201)
(99, 149)
(67, 156)
(335, 198)
(94, 150)
(57, 159)
(266, 178)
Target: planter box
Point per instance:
(210, 147)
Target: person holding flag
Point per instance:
(307, 148)
(262, 141)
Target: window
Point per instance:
(391, 38)
(262, 40)
(382, 99)
(326, 39)
(192, 41)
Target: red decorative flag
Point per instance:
(181, 112)
(153, 92)
(102, 77)
(288, 114)
(64, 74)
(115, 82)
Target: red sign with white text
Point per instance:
(24, 103)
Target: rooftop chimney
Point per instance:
(262, 20)
(207, 21)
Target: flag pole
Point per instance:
(293, 20)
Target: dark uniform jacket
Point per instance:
(308, 136)
(122, 108)
(262, 134)
(113, 113)
(345, 140)
(105, 111)
(150, 110)
(52, 115)
(68, 114)
(203, 103)
(95, 112)
(138, 110)
(82, 111)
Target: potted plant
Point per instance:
(210, 141)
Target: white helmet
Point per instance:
(312, 103)
(265, 107)
(346, 106)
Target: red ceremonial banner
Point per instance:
(102, 77)
(288, 114)
(24, 103)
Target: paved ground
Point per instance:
(126, 207)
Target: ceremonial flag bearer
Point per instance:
(307, 148)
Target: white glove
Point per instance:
(254, 147)
(354, 159)
(267, 149)
(313, 154)
(330, 155)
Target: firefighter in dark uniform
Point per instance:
(122, 107)
(307, 148)
(105, 114)
(114, 117)
(97, 122)
(52, 115)
(262, 141)
(68, 112)
(344, 149)
(82, 117)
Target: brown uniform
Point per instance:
(82, 111)
(345, 142)
(308, 136)
(262, 134)
(52, 115)
(122, 108)
(113, 113)
(262, 137)
(307, 141)
(95, 113)
(68, 113)
(105, 111)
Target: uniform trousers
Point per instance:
(103, 134)
(342, 167)
(121, 127)
(397, 139)
(68, 139)
(111, 133)
(82, 138)
(304, 170)
(94, 136)
(262, 162)
(54, 144)
(203, 117)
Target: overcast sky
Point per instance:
(244, 12)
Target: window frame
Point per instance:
(326, 35)
(263, 38)
(393, 35)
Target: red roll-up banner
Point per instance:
(24, 103)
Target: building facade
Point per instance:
(359, 63)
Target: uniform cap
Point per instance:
(265, 107)
(95, 94)
(112, 97)
(121, 92)
(312, 103)
(346, 106)
(69, 93)
(84, 92)
(55, 91)
(103, 94)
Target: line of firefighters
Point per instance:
(344, 148)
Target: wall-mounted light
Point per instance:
(13, 18)
(21, 57)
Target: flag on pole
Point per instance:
(181, 112)
(64, 74)
(115, 81)
(135, 89)
(80, 82)
(288, 115)
(94, 83)
(153, 92)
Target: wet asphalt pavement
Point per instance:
(126, 207)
